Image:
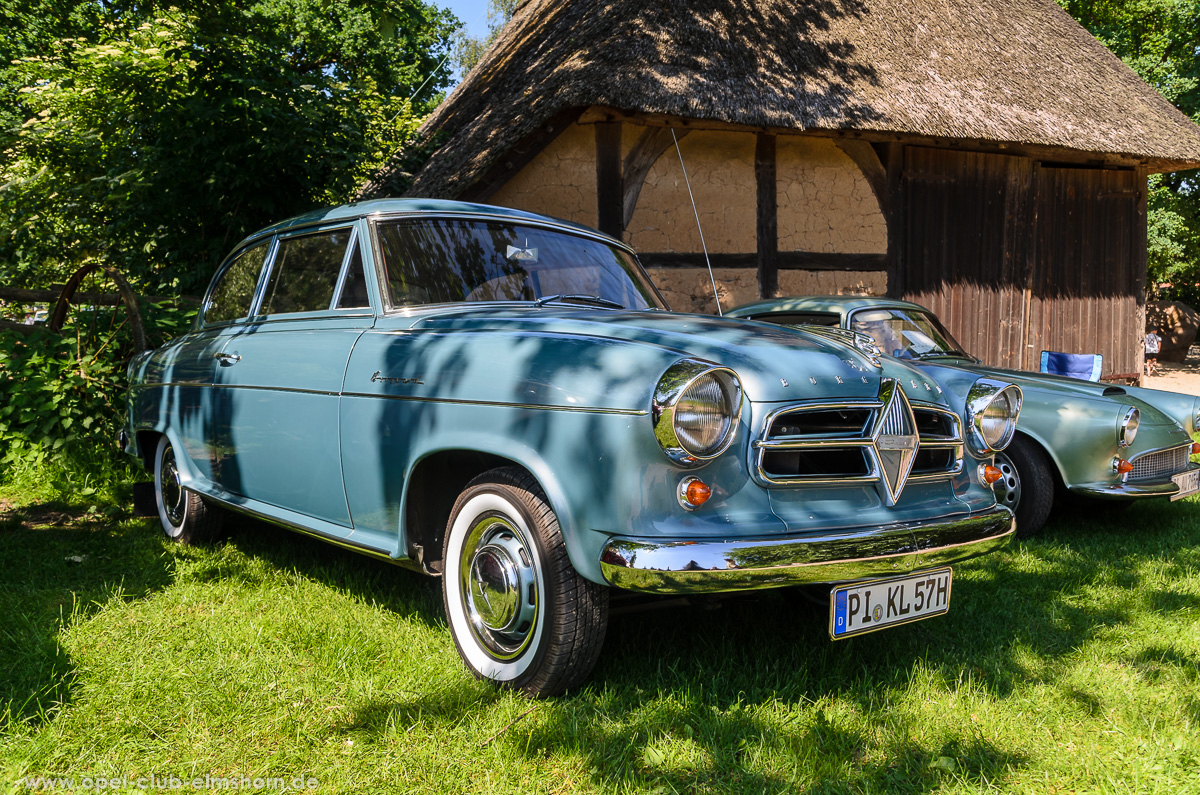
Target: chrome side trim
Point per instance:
(652, 565)
(454, 401)
(502, 404)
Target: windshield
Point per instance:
(445, 260)
(907, 334)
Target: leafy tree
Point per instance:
(469, 50)
(154, 138)
(1160, 40)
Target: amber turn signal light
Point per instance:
(991, 474)
(693, 492)
(1122, 466)
(1195, 448)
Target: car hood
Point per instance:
(774, 363)
(1053, 388)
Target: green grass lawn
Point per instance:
(1069, 663)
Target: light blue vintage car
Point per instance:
(501, 400)
(1098, 443)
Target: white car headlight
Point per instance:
(695, 412)
(993, 408)
(1127, 431)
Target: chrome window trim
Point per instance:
(269, 267)
(344, 272)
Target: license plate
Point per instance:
(879, 604)
(1188, 483)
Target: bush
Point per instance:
(62, 401)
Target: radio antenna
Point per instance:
(699, 229)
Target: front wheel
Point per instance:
(1026, 485)
(184, 515)
(519, 613)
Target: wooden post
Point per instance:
(610, 194)
(767, 216)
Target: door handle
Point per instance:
(227, 359)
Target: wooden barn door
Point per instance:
(1017, 257)
(967, 248)
(1090, 265)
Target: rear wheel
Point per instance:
(1026, 485)
(520, 615)
(184, 515)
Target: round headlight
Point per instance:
(696, 407)
(1129, 427)
(704, 414)
(994, 407)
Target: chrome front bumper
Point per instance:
(673, 566)
(1160, 487)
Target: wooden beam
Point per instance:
(766, 215)
(787, 260)
(610, 203)
(519, 156)
(641, 158)
(867, 160)
(895, 217)
(597, 114)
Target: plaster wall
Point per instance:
(721, 170)
(560, 181)
(825, 203)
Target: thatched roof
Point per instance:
(1013, 71)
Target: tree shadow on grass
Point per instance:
(684, 698)
(399, 590)
(53, 575)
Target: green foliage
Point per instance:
(62, 401)
(1160, 40)
(468, 50)
(156, 138)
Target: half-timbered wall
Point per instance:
(827, 233)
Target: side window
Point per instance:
(354, 291)
(305, 273)
(232, 296)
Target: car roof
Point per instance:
(348, 212)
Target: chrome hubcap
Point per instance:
(500, 586)
(1008, 487)
(168, 484)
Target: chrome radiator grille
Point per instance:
(831, 443)
(1160, 463)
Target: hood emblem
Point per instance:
(894, 441)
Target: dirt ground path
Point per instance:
(1178, 376)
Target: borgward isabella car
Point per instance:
(502, 400)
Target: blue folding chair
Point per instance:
(1074, 365)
